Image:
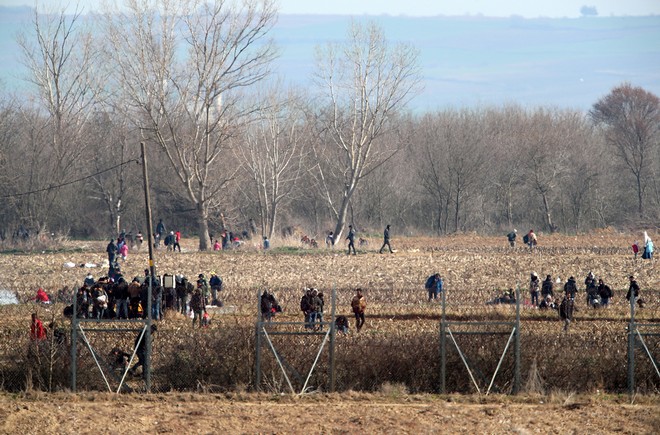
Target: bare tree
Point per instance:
(631, 117)
(59, 54)
(182, 67)
(272, 154)
(363, 85)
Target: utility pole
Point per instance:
(152, 268)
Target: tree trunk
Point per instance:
(548, 214)
(341, 218)
(204, 240)
(640, 204)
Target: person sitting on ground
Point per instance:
(217, 246)
(593, 296)
(42, 297)
(119, 359)
(605, 293)
(341, 325)
(547, 303)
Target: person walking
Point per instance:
(351, 240)
(511, 237)
(358, 304)
(386, 240)
(177, 239)
(111, 249)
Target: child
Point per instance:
(635, 248)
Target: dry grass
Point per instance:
(400, 340)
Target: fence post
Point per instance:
(443, 347)
(257, 356)
(74, 342)
(631, 347)
(516, 345)
(333, 332)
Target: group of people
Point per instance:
(529, 239)
(171, 240)
(311, 304)
(647, 252)
(112, 297)
(351, 240)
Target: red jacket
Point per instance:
(37, 331)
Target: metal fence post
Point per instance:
(257, 353)
(631, 347)
(516, 345)
(74, 342)
(333, 332)
(443, 347)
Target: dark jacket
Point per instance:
(570, 288)
(546, 287)
(633, 290)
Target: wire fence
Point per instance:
(221, 357)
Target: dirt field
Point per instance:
(475, 268)
(350, 413)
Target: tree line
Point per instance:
(229, 142)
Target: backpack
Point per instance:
(429, 282)
(526, 238)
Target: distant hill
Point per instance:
(468, 61)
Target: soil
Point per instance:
(325, 413)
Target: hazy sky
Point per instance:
(493, 8)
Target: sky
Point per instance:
(491, 8)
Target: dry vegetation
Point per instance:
(400, 342)
(568, 378)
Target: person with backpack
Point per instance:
(530, 239)
(534, 288)
(434, 286)
(511, 237)
(216, 286)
